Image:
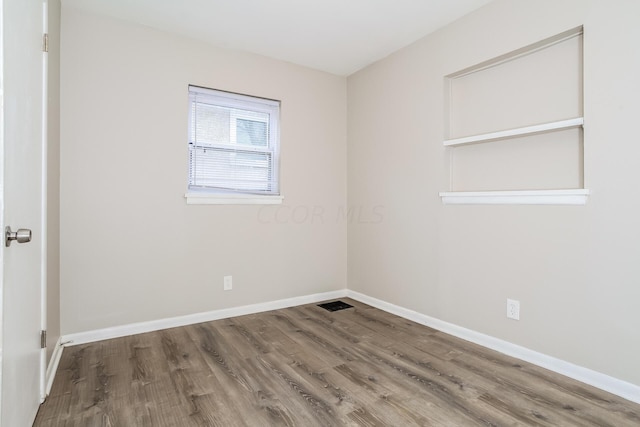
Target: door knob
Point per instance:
(23, 235)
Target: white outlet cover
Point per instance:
(513, 309)
(228, 283)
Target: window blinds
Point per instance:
(233, 143)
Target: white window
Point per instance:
(233, 146)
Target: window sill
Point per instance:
(231, 199)
(525, 197)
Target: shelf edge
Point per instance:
(520, 197)
(521, 131)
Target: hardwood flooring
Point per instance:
(305, 366)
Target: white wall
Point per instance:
(131, 249)
(574, 269)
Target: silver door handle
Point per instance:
(23, 235)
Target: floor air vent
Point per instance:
(335, 305)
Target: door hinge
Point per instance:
(43, 339)
(45, 42)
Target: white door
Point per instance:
(21, 196)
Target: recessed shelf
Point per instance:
(519, 197)
(521, 131)
(538, 86)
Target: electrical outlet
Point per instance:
(513, 309)
(228, 283)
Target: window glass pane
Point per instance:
(251, 132)
(211, 124)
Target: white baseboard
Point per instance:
(52, 367)
(190, 319)
(613, 385)
(618, 387)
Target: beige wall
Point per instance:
(53, 179)
(575, 269)
(131, 249)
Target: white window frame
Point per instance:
(219, 195)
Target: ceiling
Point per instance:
(337, 36)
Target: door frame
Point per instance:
(43, 195)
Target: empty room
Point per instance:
(320, 213)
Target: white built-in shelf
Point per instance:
(520, 197)
(522, 131)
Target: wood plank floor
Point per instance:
(305, 366)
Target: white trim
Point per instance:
(190, 319)
(618, 387)
(231, 199)
(52, 368)
(521, 131)
(2, 204)
(520, 197)
(236, 100)
(44, 199)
